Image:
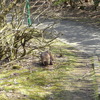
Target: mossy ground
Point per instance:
(28, 80)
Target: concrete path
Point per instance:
(80, 35)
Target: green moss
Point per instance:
(3, 97)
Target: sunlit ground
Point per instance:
(28, 80)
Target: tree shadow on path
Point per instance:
(86, 37)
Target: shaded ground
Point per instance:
(70, 78)
(87, 16)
